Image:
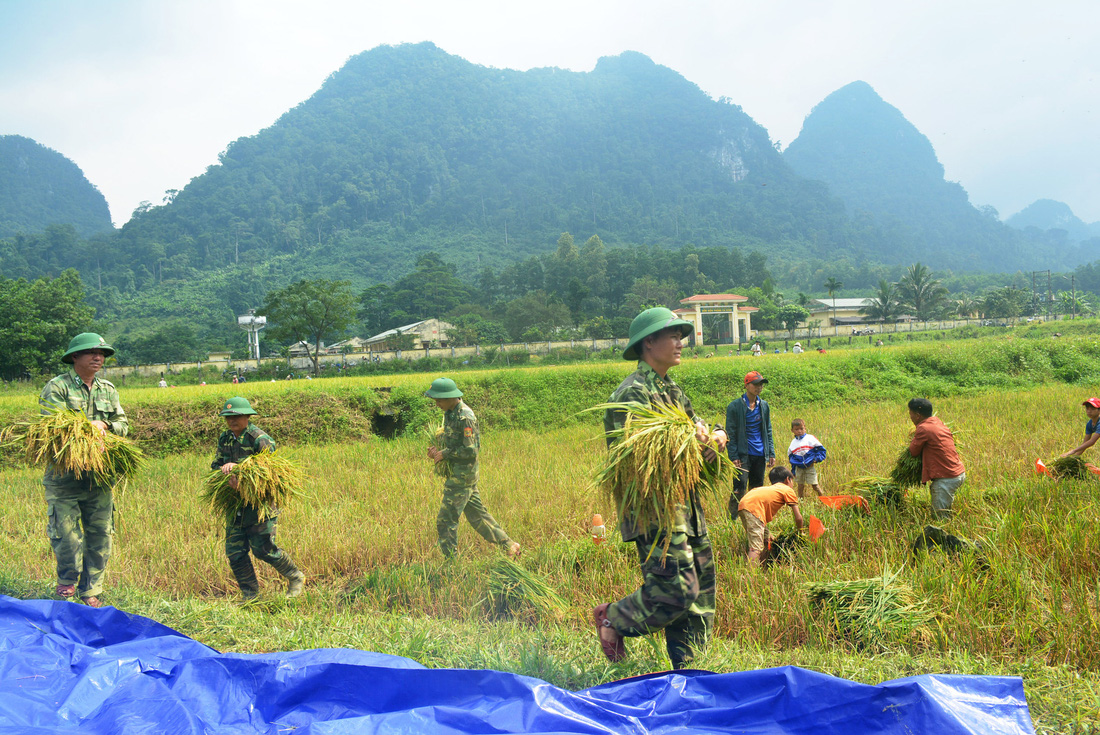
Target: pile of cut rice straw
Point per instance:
(655, 462)
(870, 613)
(66, 441)
(265, 481)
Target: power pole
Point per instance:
(1073, 288)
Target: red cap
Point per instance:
(1094, 402)
(755, 377)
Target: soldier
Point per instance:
(81, 512)
(245, 530)
(461, 445)
(677, 592)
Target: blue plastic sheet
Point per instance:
(66, 667)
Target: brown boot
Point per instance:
(611, 641)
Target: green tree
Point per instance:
(169, 343)
(883, 306)
(40, 318)
(1008, 302)
(310, 312)
(921, 292)
(791, 315)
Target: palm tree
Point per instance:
(883, 306)
(921, 292)
(832, 286)
(965, 306)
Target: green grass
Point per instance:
(366, 539)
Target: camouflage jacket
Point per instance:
(461, 443)
(99, 403)
(646, 387)
(231, 449)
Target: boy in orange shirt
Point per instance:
(760, 506)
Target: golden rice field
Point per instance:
(364, 534)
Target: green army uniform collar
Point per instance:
(75, 379)
(455, 409)
(646, 369)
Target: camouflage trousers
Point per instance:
(677, 596)
(81, 529)
(460, 498)
(245, 532)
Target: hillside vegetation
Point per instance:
(40, 188)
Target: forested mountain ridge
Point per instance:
(407, 149)
(40, 187)
(1047, 214)
(884, 168)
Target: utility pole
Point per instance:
(1073, 289)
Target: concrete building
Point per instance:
(736, 329)
(427, 333)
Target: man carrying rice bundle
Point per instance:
(460, 445)
(941, 467)
(244, 529)
(677, 592)
(81, 511)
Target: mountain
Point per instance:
(1047, 214)
(886, 170)
(40, 187)
(408, 148)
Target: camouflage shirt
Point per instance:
(461, 443)
(98, 403)
(646, 387)
(231, 449)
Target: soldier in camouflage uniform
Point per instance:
(461, 444)
(677, 592)
(244, 530)
(81, 513)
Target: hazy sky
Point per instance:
(144, 94)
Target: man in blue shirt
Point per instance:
(749, 428)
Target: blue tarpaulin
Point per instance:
(66, 667)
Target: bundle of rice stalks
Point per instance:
(66, 441)
(879, 490)
(907, 469)
(782, 548)
(870, 613)
(265, 481)
(443, 467)
(655, 462)
(1072, 467)
(514, 591)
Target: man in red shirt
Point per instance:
(940, 464)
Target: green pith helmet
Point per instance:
(443, 388)
(650, 322)
(86, 341)
(237, 406)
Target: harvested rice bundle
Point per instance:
(443, 467)
(655, 462)
(1073, 467)
(907, 469)
(265, 481)
(513, 590)
(66, 441)
(870, 613)
(783, 547)
(879, 490)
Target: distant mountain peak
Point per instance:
(40, 187)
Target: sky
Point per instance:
(143, 95)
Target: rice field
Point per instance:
(364, 534)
